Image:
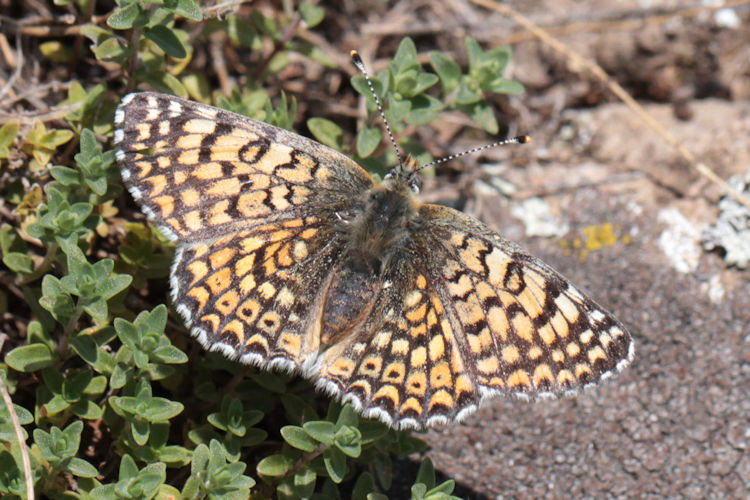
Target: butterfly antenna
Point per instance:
(361, 67)
(521, 139)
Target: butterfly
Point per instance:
(290, 256)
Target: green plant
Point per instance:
(99, 369)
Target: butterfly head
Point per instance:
(404, 176)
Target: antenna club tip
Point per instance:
(523, 139)
(355, 56)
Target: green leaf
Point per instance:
(320, 430)
(505, 86)
(447, 69)
(81, 468)
(335, 463)
(124, 18)
(189, 9)
(326, 132)
(365, 484)
(275, 465)
(311, 13)
(166, 40)
(297, 437)
(8, 134)
(304, 482)
(368, 140)
(30, 358)
(426, 474)
(349, 440)
(19, 262)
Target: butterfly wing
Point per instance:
(251, 208)
(477, 317)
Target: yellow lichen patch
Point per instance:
(228, 302)
(522, 327)
(220, 258)
(219, 281)
(441, 398)
(510, 354)
(543, 373)
(488, 365)
(411, 404)
(440, 375)
(291, 343)
(437, 347)
(565, 377)
(342, 367)
(394, 373)
(416, 384)
(519, 378)
(596, 353)
(371, 366)
(388, 392)
(235, 328)
(573, 349)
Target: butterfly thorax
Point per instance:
(377, 233)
